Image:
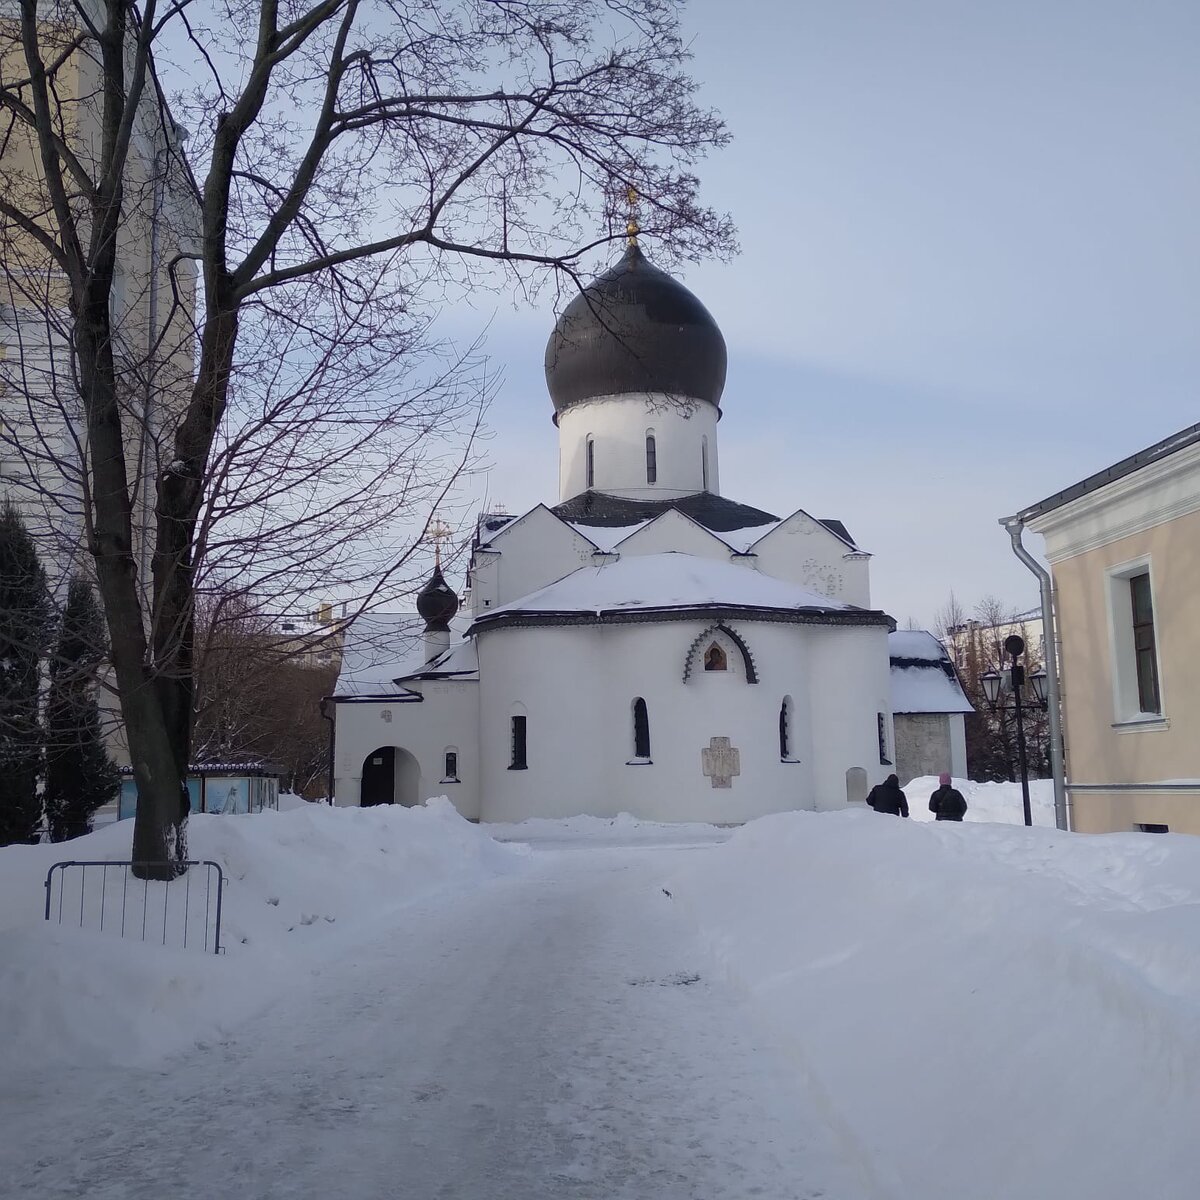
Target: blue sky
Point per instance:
(968, 277)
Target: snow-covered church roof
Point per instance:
(674, 581)
(382, 648)
(923, 677)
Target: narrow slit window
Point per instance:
(881, 723)
(1145, 656)
(785, 729)
(651, 459)
(704, 462)
(451, 772)
(519, 745)
(641, 729)
(590, 463)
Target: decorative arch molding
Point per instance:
(696, 651)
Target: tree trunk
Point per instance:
(155, 767)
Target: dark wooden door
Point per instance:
(379, 777)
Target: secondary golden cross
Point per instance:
(632, 228)
(437, 533)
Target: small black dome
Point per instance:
(437, 603)
(635, 329)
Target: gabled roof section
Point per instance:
(923, 678)
(1127, 466)
(663, 522)
(679, 583)
(714, 512)
(487, 538)
(606, 538)
(376, 646)
(836, 528)
(459, 662)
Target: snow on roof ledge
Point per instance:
(655, 582)
(922, 676)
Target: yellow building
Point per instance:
(1124, 551)
(42, 434)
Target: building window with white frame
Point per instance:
(519, 760)
(1137, 690)
(651, 458)
(1145, 656)
(590, 463)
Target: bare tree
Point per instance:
(258, 686)
(357, 164)
(976, 643)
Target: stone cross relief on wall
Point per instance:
(720, 762)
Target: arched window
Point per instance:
(591, 462)
(785, 728)
(519, 759)
(714, 659)
(651, 458)
(704, 462)
(641, 729)
(450, 774)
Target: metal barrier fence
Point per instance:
(109, 898)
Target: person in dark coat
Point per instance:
(886, 797)
(947, 803)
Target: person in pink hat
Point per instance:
(947, 803)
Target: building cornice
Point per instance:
(869, 618)
(1129, 505)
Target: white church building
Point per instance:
(646, 644)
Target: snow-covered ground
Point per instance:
(299, 885)
(984, 1011)
(840, 1005)
(990, 802)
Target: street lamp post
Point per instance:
(1014, 647)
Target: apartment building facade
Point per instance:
(1124, 552)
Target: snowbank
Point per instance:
(997, 802)
(985, 1011)
(621, 830)
(300, 887)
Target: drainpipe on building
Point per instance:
(326, 705)
(1062, 812)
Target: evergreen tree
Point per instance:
(25, 624)
(80, 776)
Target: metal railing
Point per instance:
(109, 896)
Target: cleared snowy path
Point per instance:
(556, 1035)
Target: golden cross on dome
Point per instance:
(437, 533)
(632, 228)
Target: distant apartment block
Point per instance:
(43, 438)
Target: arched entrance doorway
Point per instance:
(390, 775)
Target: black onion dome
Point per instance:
(437, 603)
(634, 329)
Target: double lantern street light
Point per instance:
(1014, 679)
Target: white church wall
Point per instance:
(549, 676)
(849, 685)
(685, 436)
(534, 551)
(958, 745)
(672, 531)
(446, 717)
(802, 551)
(578, 685)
